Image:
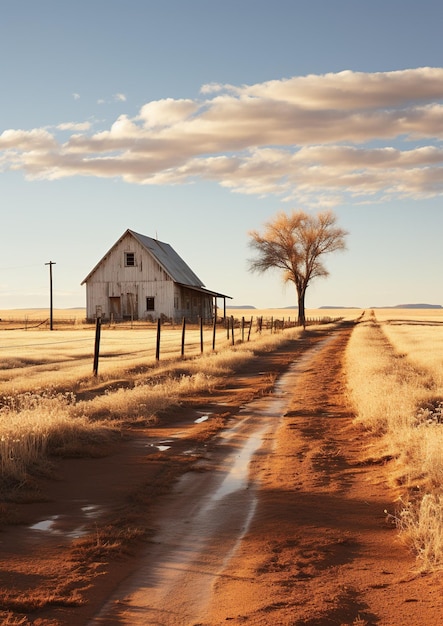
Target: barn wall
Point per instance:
(121, 291)
(132, 284)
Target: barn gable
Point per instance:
(140, 277)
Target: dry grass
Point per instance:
(409, 315)
(33, 425)
(398, 396)
(422, 342)
(9, 619)
(421, 523)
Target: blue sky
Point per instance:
(196, 121)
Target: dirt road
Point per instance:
(280, 520)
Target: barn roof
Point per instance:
(168, 259)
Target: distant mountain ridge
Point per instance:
(396, 306)
(410, 306)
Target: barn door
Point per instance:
(131, 306)
(115, 308)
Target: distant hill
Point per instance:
(418, 306)
(241, 306)
(396, 306)
(410, 306)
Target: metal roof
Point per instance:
(168, 259)
(209, 292)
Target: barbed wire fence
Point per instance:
(154, 340)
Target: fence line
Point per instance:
(169, 342)
(230, 323)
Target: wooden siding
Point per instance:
(116, 290)
(192, 304)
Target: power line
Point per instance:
(17, 267)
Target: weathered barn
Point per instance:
(143, 278)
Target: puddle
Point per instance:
(201, 419)
(45, 525)
(238, 475)
(62, 524)
(90, 509)
(54, 526)
(161, 446)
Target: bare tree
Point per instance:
(296, 244)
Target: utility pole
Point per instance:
(51, 263)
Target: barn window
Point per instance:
(129, 259)
(150, 304)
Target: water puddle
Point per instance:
(62, 524)
(162, 446)
(201, 419)
(46, 525)
(238, 475)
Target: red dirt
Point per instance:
(319, 550)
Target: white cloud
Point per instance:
(306, 137)
(164, 113)
(352, 90)
(27, 140)
(76, 96)
(78, 126)
(119, 97)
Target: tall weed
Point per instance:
(401, 404)
(32, 425)
(421, 524)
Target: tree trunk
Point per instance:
(301, 308)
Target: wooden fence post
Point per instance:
(183, 336)
(242, 329)
(250, 327)
(232, 329)
(157, 348)
(201, 335)
(214, 327)
(98, 325)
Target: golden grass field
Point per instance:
(32, 356)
